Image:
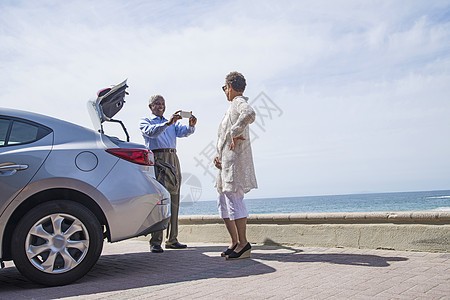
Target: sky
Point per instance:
(351, 96)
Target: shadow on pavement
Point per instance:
(333, 258)
(294, 255)
(143, 269)
(136, 270)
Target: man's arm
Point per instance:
(183, 131)
(151, 130)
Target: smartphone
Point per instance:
(185, 114)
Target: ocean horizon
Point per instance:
(438, 200)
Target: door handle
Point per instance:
(13, 168)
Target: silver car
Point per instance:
(65, 188)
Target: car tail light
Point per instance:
(137, 156)
(162, 202)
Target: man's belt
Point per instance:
(165, 150)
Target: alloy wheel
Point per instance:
(57, 243)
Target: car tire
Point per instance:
(57, 242)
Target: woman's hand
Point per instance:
(217, 163)
(234, 140)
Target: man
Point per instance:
(234, 160)
(160, 137)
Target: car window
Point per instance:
(4, 125)
(21, 132)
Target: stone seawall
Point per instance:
(412, 231)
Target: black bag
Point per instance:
(166, 174)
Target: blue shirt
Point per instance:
(158, 135)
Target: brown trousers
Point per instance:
(172, 230)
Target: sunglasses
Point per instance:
(224, 87)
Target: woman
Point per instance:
(234, 160)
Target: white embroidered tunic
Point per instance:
(237, 165)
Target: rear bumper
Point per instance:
(156, 220)
(133, 200)
(156, 227)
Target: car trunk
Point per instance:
(108, 103)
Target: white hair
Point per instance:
(154, 98)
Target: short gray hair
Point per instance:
(154, 98)
(237, 81)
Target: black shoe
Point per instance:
(244, 253)
(156, 249)
(176, 245)
(228, 251)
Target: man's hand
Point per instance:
(217, 163)
(192, 120)
(234, 140)
(175, 117)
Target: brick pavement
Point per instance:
(128, 270)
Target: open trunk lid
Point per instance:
(108, 103)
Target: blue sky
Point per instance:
(359, 90)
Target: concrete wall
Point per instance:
(414, 231)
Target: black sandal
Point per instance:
(244, 253)
(228, 251)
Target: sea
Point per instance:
(398, 201)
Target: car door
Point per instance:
(24, 146)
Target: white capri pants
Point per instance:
(231, 205)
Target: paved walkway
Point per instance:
(127, 270)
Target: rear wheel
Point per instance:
(57, 242)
